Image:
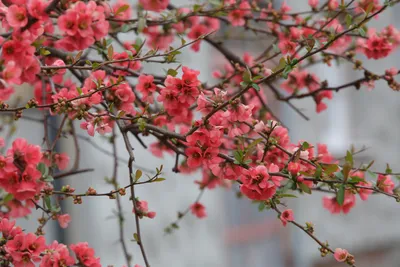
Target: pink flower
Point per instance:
(57, 255)
(236, 17)
(142, 210)
(61, 160)
(294, 168)
(64, 220)
(287, 47)
(385, 183)
(154, 5)
(313, 3)
(330, 203)
(37, 9)
(12, 73)
(286, 216)
(258, 184)
(340, 254)
(376, 47)
(198, 210)
(194, 155)
(17, 16)
(85, 254)
(333, 4)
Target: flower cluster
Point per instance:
(27, 249)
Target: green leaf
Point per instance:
(141, 24)
(330, 168)
(369, 9)
(172, 72)
(348, 20)
(125, 28)
(349, 158)
(261, 206)
(355, 180)
(305, 146)
(255, 86)
(159, 180)
(122, 9)
(340, 195)
(138, 174)
(95, 66)
(275, 48)
(47, 201)
(8, 198)
(79, 90)
(247, 77)
(43, 169)
(110, 52)
(388, 169)
(304, 188)
(346, 170)
(362, 32)
(136, 237)
(254, 143)
(48, 178)
(281, 65)
(318, 172)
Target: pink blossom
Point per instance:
(313, 3)
(198, 210)
(286, 216)
(64, 220)
(154, 5)
(17, 16)
(85, 254)
(340, 254)
(385, 183)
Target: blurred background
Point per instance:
(235, 234)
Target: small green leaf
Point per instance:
(43, 169)
(261, 206)
(247, 77)
(304, 188)
(369, 9)
(79, 90)
(136, 237)
(138, 174)
(388, 169)
(141, 24)
(340, 195)
(255, 86)
(172, 72)
(122, 9)
(159, 180)
(318, 172)
(349, 20)
(110, 52)
(95, 66)
(305, 146)
(346, 170)
(330, 168)
(349, 158)
(276, 48)
(48, 178)
(362, 32)
(125, 28)
(355, 180)
(47, 201)
(8, 198)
